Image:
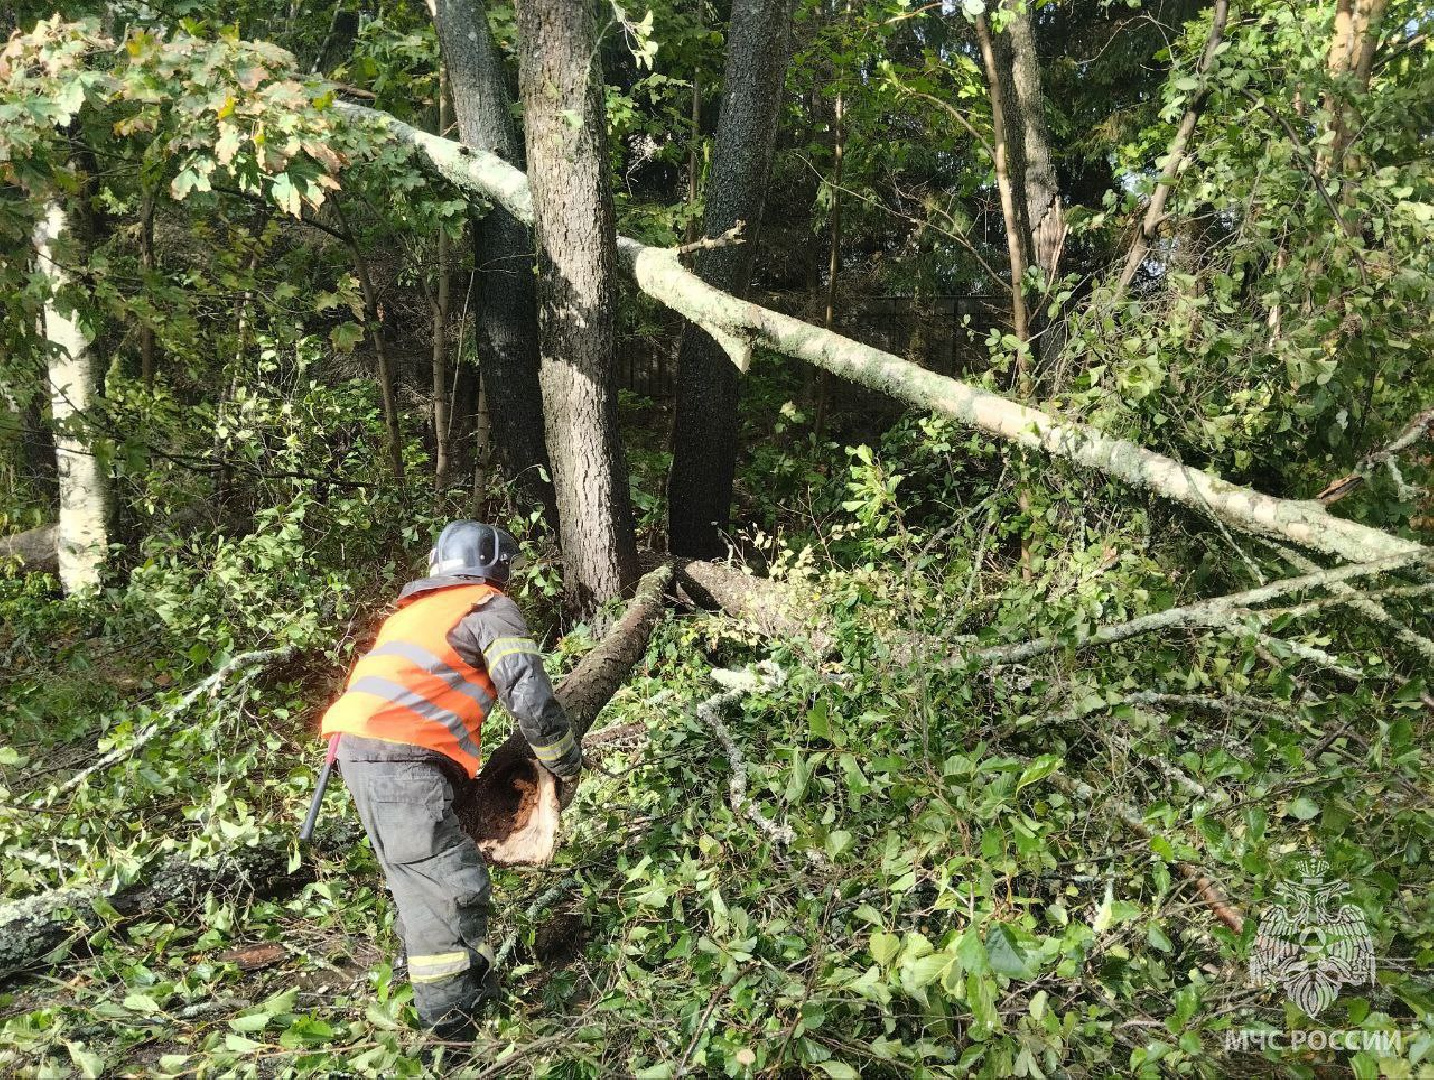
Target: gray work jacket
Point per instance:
(494, 636)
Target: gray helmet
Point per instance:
(472, 549)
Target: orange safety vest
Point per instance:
(413, 688)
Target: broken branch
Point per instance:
(660, 274)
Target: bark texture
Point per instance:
(505, 296)
(774, 609)
(511, 807)
(36, 549)
(33, 928)
(577, 295)
(1016, 231)
(84, 485)
(442, 399)
(704, 434)
(1045, 223)
(741, 323)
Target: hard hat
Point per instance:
(472, 549)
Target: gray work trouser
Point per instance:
(404, 796)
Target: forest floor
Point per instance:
(936, 873)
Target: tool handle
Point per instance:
(307, 832)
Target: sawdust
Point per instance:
(506, 804)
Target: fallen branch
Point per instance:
(1222, 611)
(1418, 428)
(1367, 604)
(257, 661)
(727, 239)
(511, 808)
(739, 684)
(739, 325)
(40, 928)
(774, 609)
(1175, 156)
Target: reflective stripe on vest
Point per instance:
(412, 687)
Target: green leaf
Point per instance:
(973, 8)
(141, 1003)
(346, 336)
(924, 970)
(839, 1070)
(884, 947)
(90, 1064)
(286, 195)
(1006, 954)
(1304, 808)
(1158, 938)
(1039, 769)
(251, 1022)
(818, 722)
(239, 1043)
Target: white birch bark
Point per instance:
(84, 487)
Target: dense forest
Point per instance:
(972, 466)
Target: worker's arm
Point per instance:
(495, 636)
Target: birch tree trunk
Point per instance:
(505, 296)
(577, 295)
(83, 486)
(704, 433)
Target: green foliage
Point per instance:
(963, 892)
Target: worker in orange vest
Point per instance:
(410, 721)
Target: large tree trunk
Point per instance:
(704, 434)
(84, 486)
(740, 325)
(1016, 232)
(1044, 219)
(506, 300)
(147, 267)
(577, 294)
(442, 396)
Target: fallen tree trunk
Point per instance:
(739, 325)
(511, 808)
(775, 609)
(38, 550)
(42, 928)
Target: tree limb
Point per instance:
(658, 273)
(1219, 611)
(1175, 156)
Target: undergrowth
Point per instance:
(951, 899)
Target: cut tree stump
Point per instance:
(511, 808)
